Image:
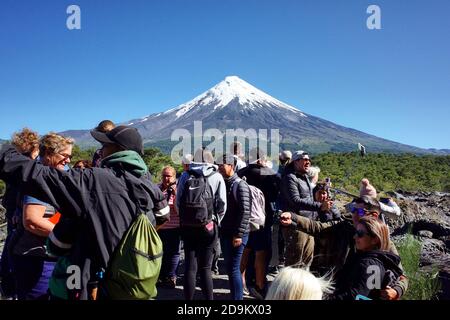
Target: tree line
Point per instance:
(387, 172)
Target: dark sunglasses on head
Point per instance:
(361, 233)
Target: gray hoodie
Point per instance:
(216, 182)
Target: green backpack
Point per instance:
(134, 268)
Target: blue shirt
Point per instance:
(30, 244)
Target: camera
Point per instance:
(328, 188)
(277, 219)
(277, 216)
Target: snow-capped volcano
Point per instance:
(231, 104)
(232, 88)
(235, 104)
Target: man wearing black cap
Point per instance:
(103, 126)
(100, 202)
(120, 138)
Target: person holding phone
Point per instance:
(169, 232)
(321, 195)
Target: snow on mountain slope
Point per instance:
(231, 88)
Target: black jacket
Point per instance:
(267, 181)
(236, 219)
(11, 199)
(102, 202)
(335, 245)
(333, 214)
(297, 194)
(365, 273)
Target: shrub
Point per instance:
(422, 285)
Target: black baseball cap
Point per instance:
(124, 136)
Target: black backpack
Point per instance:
(197, 201)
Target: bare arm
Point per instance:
(34, 221)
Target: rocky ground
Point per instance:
(220, 285)
(426, 215)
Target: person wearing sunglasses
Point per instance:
(341, 243)
(372, 267)
(297, 196)
(97, 205)
(31, 263)
(388, 206)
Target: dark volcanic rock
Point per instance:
(423, 211)
(427, 215)
(425, 234)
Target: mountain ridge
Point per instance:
(234, 103)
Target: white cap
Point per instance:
(300, 154)
(187, 159)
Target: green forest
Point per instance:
(387, 172)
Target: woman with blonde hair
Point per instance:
(298, 284)
(32, 266)
(372, 267)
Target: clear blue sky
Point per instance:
(134, 58)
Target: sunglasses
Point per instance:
(66, 156)
(360, 211)
(361, 233)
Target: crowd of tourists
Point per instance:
(285, 223)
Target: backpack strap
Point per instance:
(192, 173)
(234, 188)
(150, 213)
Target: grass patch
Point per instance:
(422, 285)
